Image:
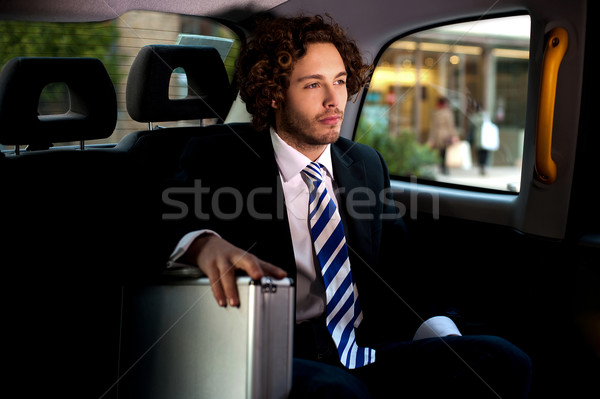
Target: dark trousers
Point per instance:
(452, 367)
(482, 159)
(443, 165)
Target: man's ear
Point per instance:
(274, 104)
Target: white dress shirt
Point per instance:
(310, 292)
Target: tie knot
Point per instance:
(313, 171)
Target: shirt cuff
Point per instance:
(437, 326)
(183, 245)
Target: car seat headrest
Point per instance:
(92, 112)
(209, 92)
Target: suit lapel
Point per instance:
(350, 175)
(275, 243)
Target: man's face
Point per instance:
(313, 111)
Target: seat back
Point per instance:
(209, 93)
(92, 112)
(209, 96)
(64, 237)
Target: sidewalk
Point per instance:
(507, 178)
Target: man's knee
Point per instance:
(504, 352)
(315, 380)
(503, 365)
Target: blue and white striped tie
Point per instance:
(343, 308)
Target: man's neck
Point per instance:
(311, 151)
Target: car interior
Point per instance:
(83, 189)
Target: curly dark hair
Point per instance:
(266, 61)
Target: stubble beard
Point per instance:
(299, 131)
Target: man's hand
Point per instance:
(219, 259)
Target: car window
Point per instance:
(116, 43)
(448, 104)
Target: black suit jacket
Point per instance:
(230, 182)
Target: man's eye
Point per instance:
(340, 82)
(312, 86)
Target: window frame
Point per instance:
(444, 184)
(538, 209)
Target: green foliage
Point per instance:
(404, 155)
(44, 39)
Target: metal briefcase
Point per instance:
(177, 343)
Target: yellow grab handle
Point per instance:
(556, 46)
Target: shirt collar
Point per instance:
(291, 161)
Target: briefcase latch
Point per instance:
(267, 285)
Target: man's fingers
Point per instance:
(224, 287)
(217, 289)
(228, 281)
(257, 268)
(272, 270)
(218, 259)
(248, 263)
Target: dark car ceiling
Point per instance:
(101, 10)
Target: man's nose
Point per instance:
(332, 97)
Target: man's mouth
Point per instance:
(331, 119)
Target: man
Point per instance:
(292, 168)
